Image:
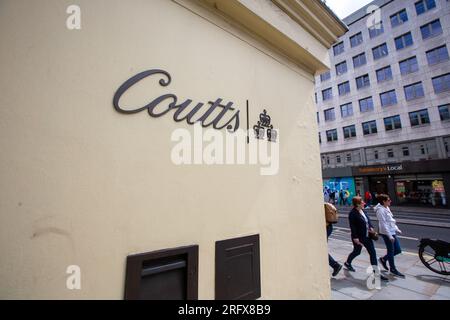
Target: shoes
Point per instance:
(336, 270)
(384, 264)
(397, 274)
(383, 278)
(349, 267)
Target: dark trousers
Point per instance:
(331, 261)
(393, 249)
(368, 244)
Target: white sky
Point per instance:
(344, 8)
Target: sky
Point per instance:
(344, 8)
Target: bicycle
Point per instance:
(435, 255)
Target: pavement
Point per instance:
(420, 283)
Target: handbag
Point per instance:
(373, 235)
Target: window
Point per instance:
(388, 98)
(399, 18)
(363, 81)
(332, 135)
(366, 104)
(375, 154)
(405, 151)
(318, 119)
(376, 30)
(359, 60)
(347, 110)
(424, 5)
(349, 132)
(328, 160)
(419, 117)
(384, 74)
(431, 29)
(392, 123)
(380, 51)
(437, 55)
(338, 159)
(325, 76)
(349, 157)
(413, 91)
(390, 153)
(338, 48)
(344, 88)
(403, 41)
(327, 94)
(356, 40)
(441, 83)
(409, 65)
(369, 127)
(444, 112)
(341, 68)
(329, 114)
(422, 149)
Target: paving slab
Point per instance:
(336, 295)
(397, 293)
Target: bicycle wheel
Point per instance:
(435, 263)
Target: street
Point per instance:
(411, 233)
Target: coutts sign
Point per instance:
(228, 117)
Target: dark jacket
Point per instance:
(358, 225)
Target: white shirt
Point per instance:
(386, 221)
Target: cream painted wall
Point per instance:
(82, 184)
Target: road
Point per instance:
(411, 235)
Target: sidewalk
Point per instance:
(409, 209)
(419, 284)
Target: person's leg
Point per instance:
(368, 244)
(390, 251)
(397, 247)
(356, 252)
(331, 262)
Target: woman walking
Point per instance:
(388, 230)
(361, 226)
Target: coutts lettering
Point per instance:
(232, 124)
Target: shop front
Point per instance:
(424, 183)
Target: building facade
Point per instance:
(95, 100)
(383, 108)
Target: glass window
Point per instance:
(327, 94)
(338, 48)
(405, 151)
(344, 88)
(399, 18)
(384, 74)
(431, 29)
(388, 98)
(375, 154)
(332, 135)
(419, 117)
(349, 132)
(356, 40)
(341, 68)
(380, 51)
(424, 5)
(338, 159)
(369, 127)
(414, 91)
(329, 114)
(409, 65)
(444, 112)
(366, 104)
(392, 123)
(403, 41)
(349, 157)
(390, 153)
(376, 30)
(437, 55)
(359, 60)
(441, 83)
(347, 110)
(363, 81)
(325, 76)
